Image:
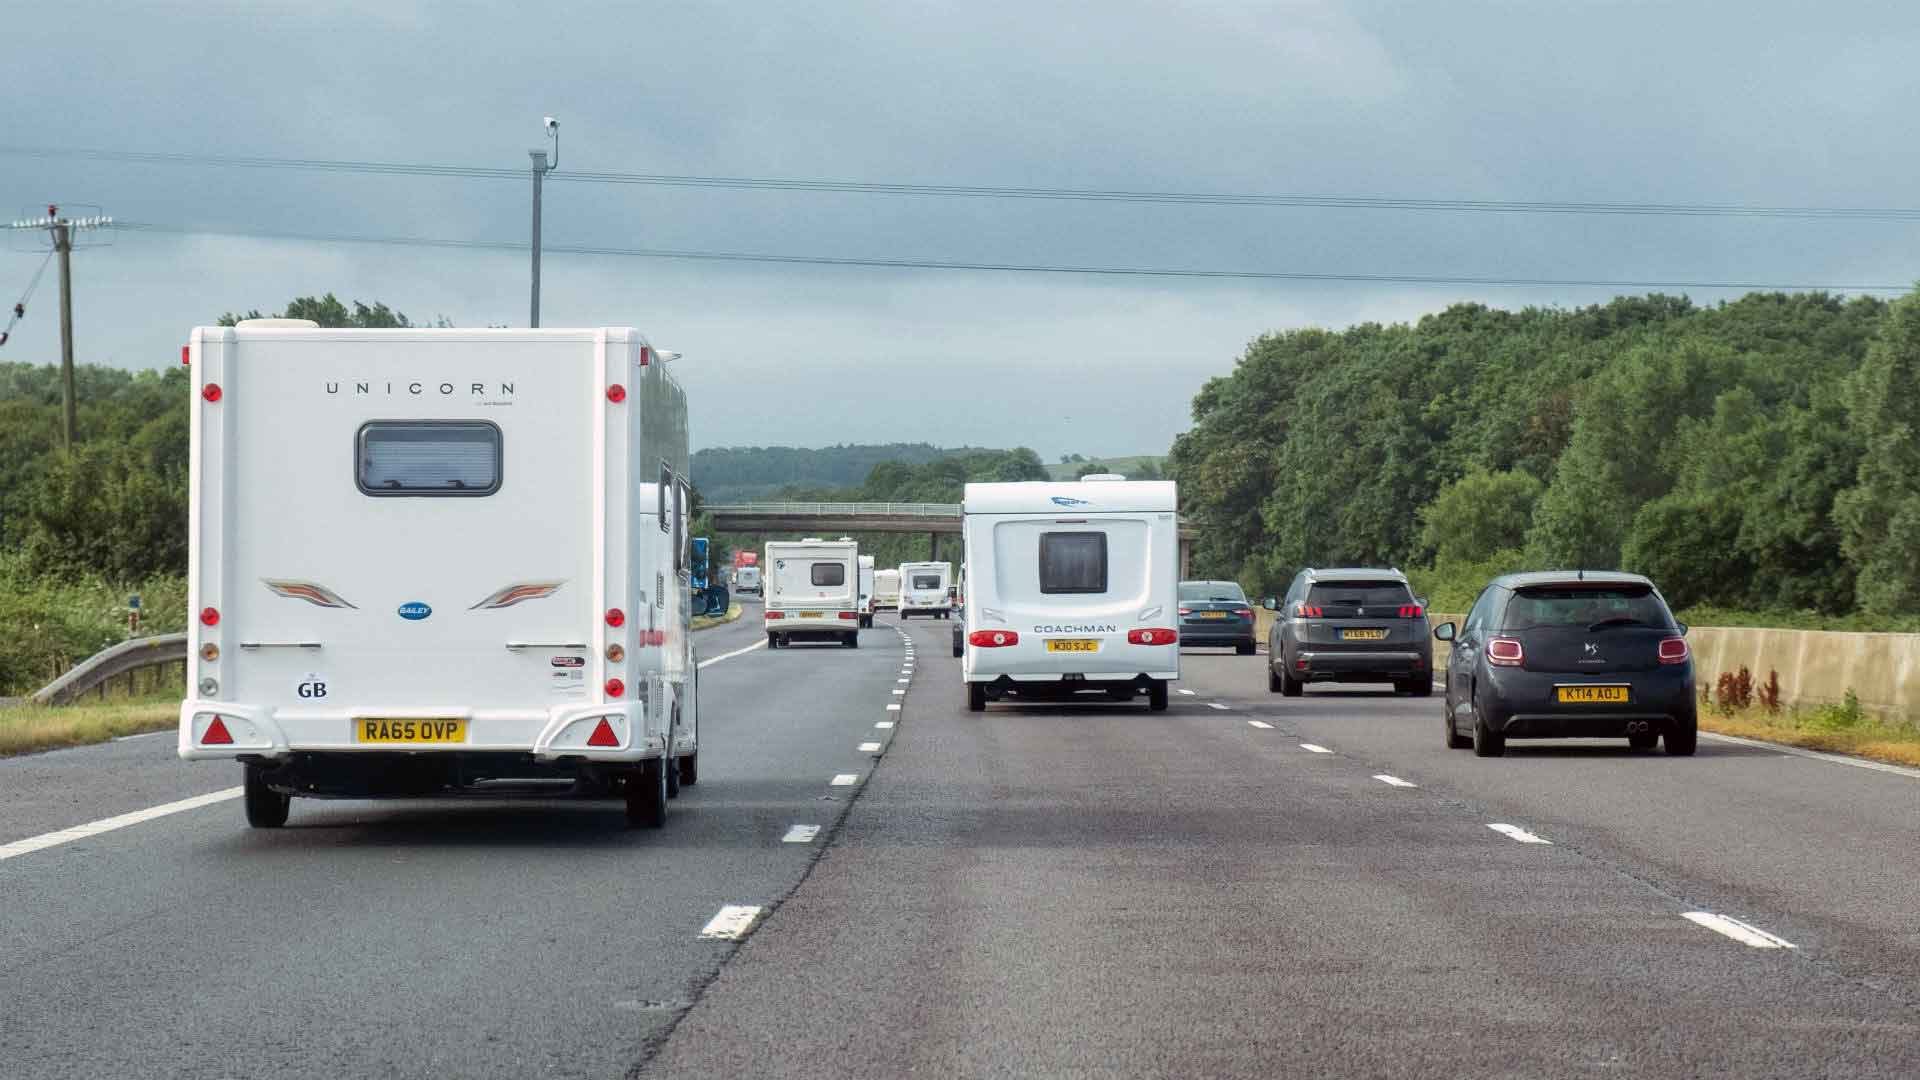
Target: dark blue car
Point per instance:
(1216, 613)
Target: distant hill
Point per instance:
(1127, 466)
(746, 473)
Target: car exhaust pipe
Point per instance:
(1636, 727)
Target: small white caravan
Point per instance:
(813, 592)
(425, 561)
(746, 579)
(866, 591)
(1071, 588)
(886, 589)
(923, 589)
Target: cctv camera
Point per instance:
(552, 124)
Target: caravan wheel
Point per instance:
(647, 795)
(672, 767)
(690, 769)
(266, 808)
(1157, 697)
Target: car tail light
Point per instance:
(1674, 650)
(993, 639)
(217, 734)
(776, 614)
(1411, 611)
(849, 614)
(616, 688)
(616, 617)
(1309, 611)
(1300, 664)
(211, 392)
(1505, 652)
(603, 735)
(1244, 612)
(1152, 636)
(209, 616)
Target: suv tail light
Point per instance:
(1674, 650)
(1152, 636)
(993, 639)
(1505, 652)
(1411, 611)
(1309, 611)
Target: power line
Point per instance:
(748, 183)
(998, 267)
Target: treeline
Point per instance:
(750, 473)
(1761, 455)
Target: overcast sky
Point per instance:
(1768, 102)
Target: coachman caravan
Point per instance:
(812, 592)
(923, 589)
(1072, 588)
(423, 561)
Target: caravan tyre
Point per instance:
(976, 697)
(773, 641)
(852, 639)
(1157, 696)
(672, 768)
(647, 795)
(690, 769)
(266, 808)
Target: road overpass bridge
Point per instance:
(830, 519)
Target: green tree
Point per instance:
(1479, 515)
(328, 310)
(1880, 515)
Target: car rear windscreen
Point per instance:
(428, 457)
(926, 581)
(1586, 607)
(1359, 594)
(1073, 562)
(1212, 590)
(829, 573)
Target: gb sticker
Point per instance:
(313, 687)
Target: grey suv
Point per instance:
(1349, 625)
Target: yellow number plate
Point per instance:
(413, 732)
(1591, 695)
(812, 615)
(1073, 645)
(1214, 614)
(1363, 635)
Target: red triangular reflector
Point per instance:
(217, 734)
(602, 735)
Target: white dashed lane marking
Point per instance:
(801, 834)
(732, 923)
(1261, 724)
(869, 747)
(1515, 832)
(1314, 748)
(884, 725)
(1744, 933)
(1189, 693)
(894, 707)
(899, 693)
(1393, 781)
(845, 779)
(1217, 705)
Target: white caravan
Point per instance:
(813, 592)
(1071, 587)
(866, 591)
(746, 579)
(886, 589)
(427, 561)
(923, 589)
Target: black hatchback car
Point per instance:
(1574, 654)
(1216, 613)
(1353, 625)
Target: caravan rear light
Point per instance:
(211, 391)
(209, 616)
(993, 639)
(1505, 652)
(646, 354)
(185, 352)
(217, 734)
(616, 688)
(209, 652)
(849, 614)
(616, 393)
(776, 614)
(616, 652)
(1153, 636)
(616, 617)
(1674, 650)
(603, 735)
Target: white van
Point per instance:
(813, 592)
(426, 561)
(886, 589)
(866, 591)
(923, 589)
(1071, 587)
(746, 579)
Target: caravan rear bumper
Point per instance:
(547, 735)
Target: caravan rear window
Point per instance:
(428, 457)
(926, 581)
(829, 573)
(1073, 562)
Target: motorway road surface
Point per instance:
(1243, 886)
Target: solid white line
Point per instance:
(105, 825)
(734, 653)
(1189, 693)
(1314, 749)
(1837, 759)
(801, 834)
(893, 707)
(1515, 832)
(846, 779)
(1217, 705)
(884, 725)
(145, 735)
(732, 923)
(868, 748)
(1393, 781)
(1743, 933)
(1261, 724)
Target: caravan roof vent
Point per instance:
(277, 324)
(1104, 477)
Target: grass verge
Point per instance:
(1838, 729)
(706, 622)
(26, 728)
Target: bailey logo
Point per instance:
(414, 611)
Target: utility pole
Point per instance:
(60, 232)
(540, 170)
